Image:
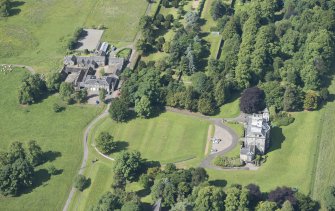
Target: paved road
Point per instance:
(85, 156)
(230, 136)
(29, 68)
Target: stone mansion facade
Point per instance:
(257, 136)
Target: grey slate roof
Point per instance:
(116, 64)
(94, 81)
(86, 61)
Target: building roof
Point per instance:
(71, 78)
(69, 59)
(249, 150)
(116, 64)
(94, 81)
(85, 60)
(257, 126)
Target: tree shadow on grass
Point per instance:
(146, 206)
(234, 96)
(331, 98)
(87, 183)
(121, 145)
(202, 21)
(59, 171)
(40, 177)
(219, 183)
(13, 10)
(276, 138)
(51, 155)
(158, 110)
(143, 192)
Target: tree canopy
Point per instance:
(252, 100)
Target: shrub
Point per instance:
(283, 119)
(80, 182)
(52, 170)
(57, 108)
(165, 3)
(324, 94)
(311, 100)
(145, 181)
(227, 161)
(205, 106)
(105, 143)
(329, 198)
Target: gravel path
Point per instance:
(101, 116)
(29, 68)
(85, 156)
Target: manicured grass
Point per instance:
(206, 16)
(121, 17)
(57, 132)
(167, 138)
(214, 41)
(125, 53)
(230, 109)
(325, 171)
(238, 128)
(101, 177)
(290, 158)
(37, 35)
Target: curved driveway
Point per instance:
(221, 131)
(229, 136)
(85, 156)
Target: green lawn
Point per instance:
(290, 159)
(206, 16)
(230, 109)
(214, 41)
(238, 128)
(57, 132)
(36, 36)
(125, 53)
(121, 17)
(167, 138)
(325, 171)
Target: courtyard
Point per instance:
(90, 40)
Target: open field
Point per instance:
(60, 133)
(37, 35)
(325, 171)
(290, 158)
(167, 138)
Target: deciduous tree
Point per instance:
(252, 100)
(129, 163)
(119, 110)
(105, 142)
